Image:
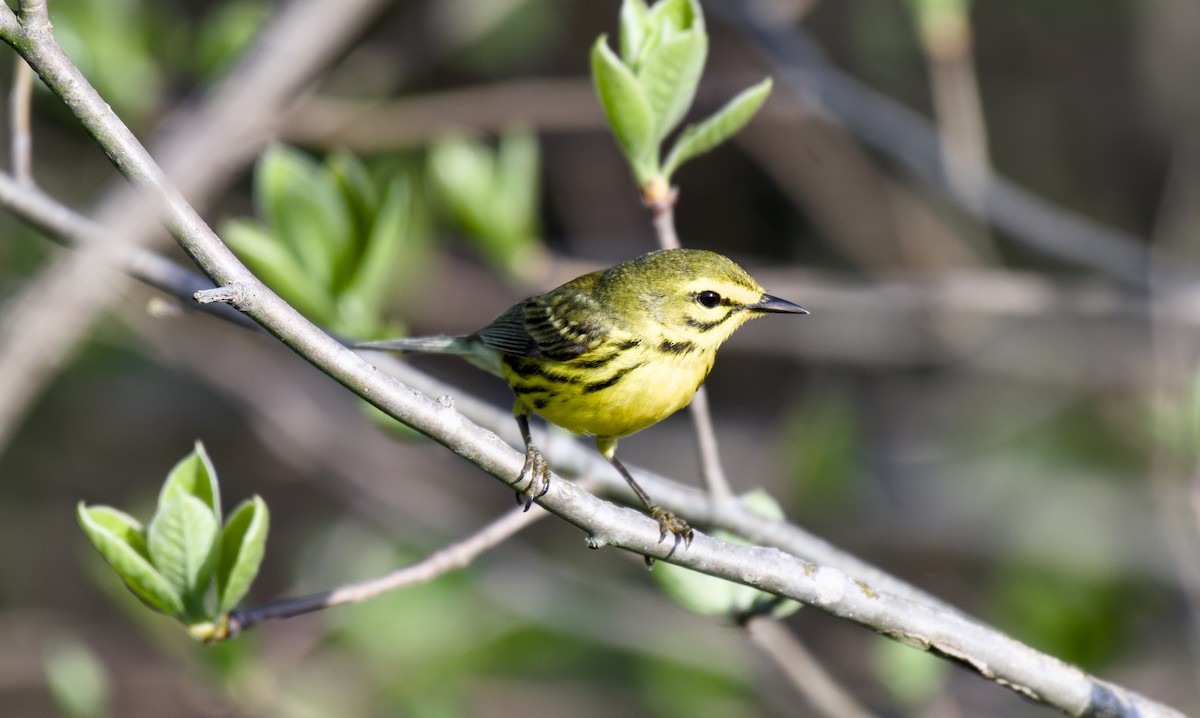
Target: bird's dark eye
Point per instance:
(708, 298)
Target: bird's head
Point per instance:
(687, 295)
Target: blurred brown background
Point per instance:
(1002, 414)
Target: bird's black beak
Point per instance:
(775, 304)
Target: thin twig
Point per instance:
(451, 558)
(948, 42)
(804, 671)
(810, 679)
(20, 100)
(662, 203)
(662, 214)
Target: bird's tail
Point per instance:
(424, 345)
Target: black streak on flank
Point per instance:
(595, 363)
(612, 380)
(526, 370)
(540, 403)
(670, 347)
(530, 389)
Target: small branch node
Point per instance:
(597, 541)
(234, 294)
(659, 196)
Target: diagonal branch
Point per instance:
(450, 558)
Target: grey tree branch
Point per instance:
(986, 651)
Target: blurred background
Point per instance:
(995, 397)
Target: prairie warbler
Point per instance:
(612, 352)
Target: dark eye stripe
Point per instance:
(703, 326)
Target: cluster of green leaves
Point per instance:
(132, 50)
(185, 563)
(647, 90)
(332, 239)
(492, 195)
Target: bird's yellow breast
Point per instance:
(638, 387)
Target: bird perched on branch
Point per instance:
(612, 352)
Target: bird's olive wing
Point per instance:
(507, 333)
(561, 324)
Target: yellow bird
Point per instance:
(612, 352)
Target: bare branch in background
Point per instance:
(451, 558)
(911, 142)
(804, 671)
(663, 218)
(19, 104)
(208, 144)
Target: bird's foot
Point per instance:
(537, 470)
(669, 523)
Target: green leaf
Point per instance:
(515, 197)
(388, 233)
(913, 677)
(360, 195)
(721, 125)
(627, 109)
(271, 261)
(120, 539)
(669, 75)
(635, 24)
(182, 538)
(77, 679)
(675, 16)
(243, 543)
(113, 43)
(518, 179)
(196, 476)
(225, 32)
(301, 203)
(463, 171)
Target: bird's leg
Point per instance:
(536, 469)
(668, 522)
